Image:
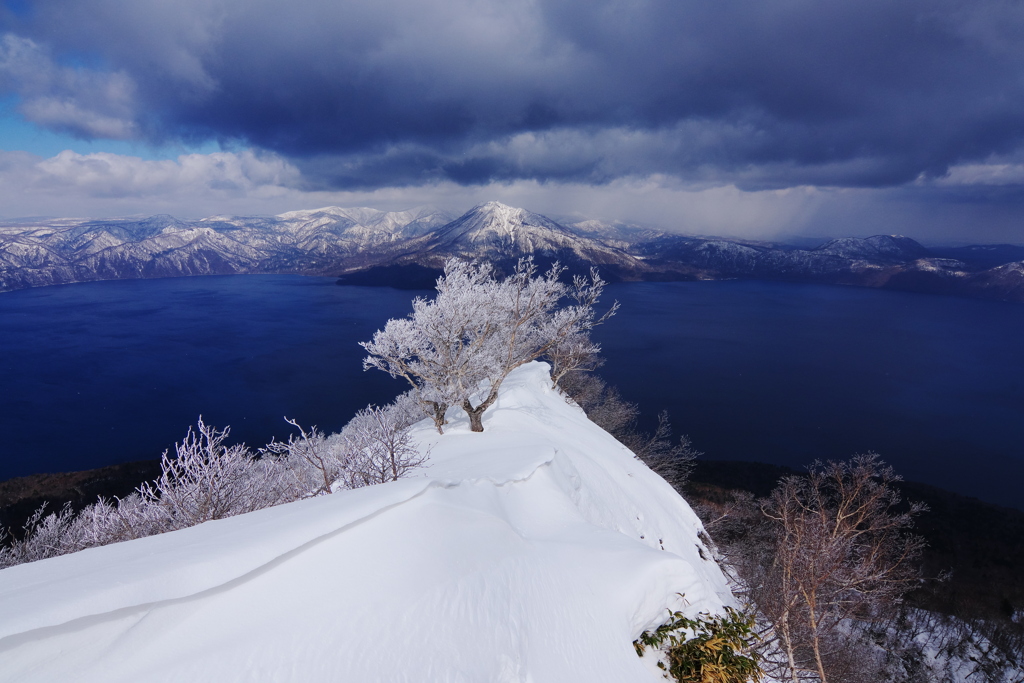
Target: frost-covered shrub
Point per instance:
(205, 479)
(407, 409)
(921, 646)
(378, 446)
(673, 460)
(602, 403)
(309, 463)
(46, 535)
(374, 447)
(102, 523)
(123, 519)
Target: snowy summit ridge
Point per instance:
(497, 231)
(495, 222)
(534, 551)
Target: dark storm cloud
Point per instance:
(761, 93)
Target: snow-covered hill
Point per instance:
(534, 551)
(315, 242)
(409, 248)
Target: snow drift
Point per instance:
(534, 551)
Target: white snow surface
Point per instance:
(536, 551)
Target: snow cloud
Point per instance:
(368, 95)
(248, 182)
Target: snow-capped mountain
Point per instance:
(534, 551)
(408, 248)
(504, 234)
(504, 229)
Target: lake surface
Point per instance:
(787, 373)
(98, 373)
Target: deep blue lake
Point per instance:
(98, 373)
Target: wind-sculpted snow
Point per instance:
(534, 551)
(152, 570)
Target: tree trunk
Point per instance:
(476, 417)
(437, 412)
(787, 642)
(816, 640)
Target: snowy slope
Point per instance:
(536, 551)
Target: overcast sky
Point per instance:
(740, 117)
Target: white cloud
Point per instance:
(984, 174)
(67, 114)
(104, 184)
(84, 102)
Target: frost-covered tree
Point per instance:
(437, 349)
(458, 348)
(576, 354)
(573, 351)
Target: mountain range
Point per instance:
(408, 248)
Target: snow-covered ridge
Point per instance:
(535, 551)
(355, 243)
(313, 241)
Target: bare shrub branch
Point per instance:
(825, 554)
